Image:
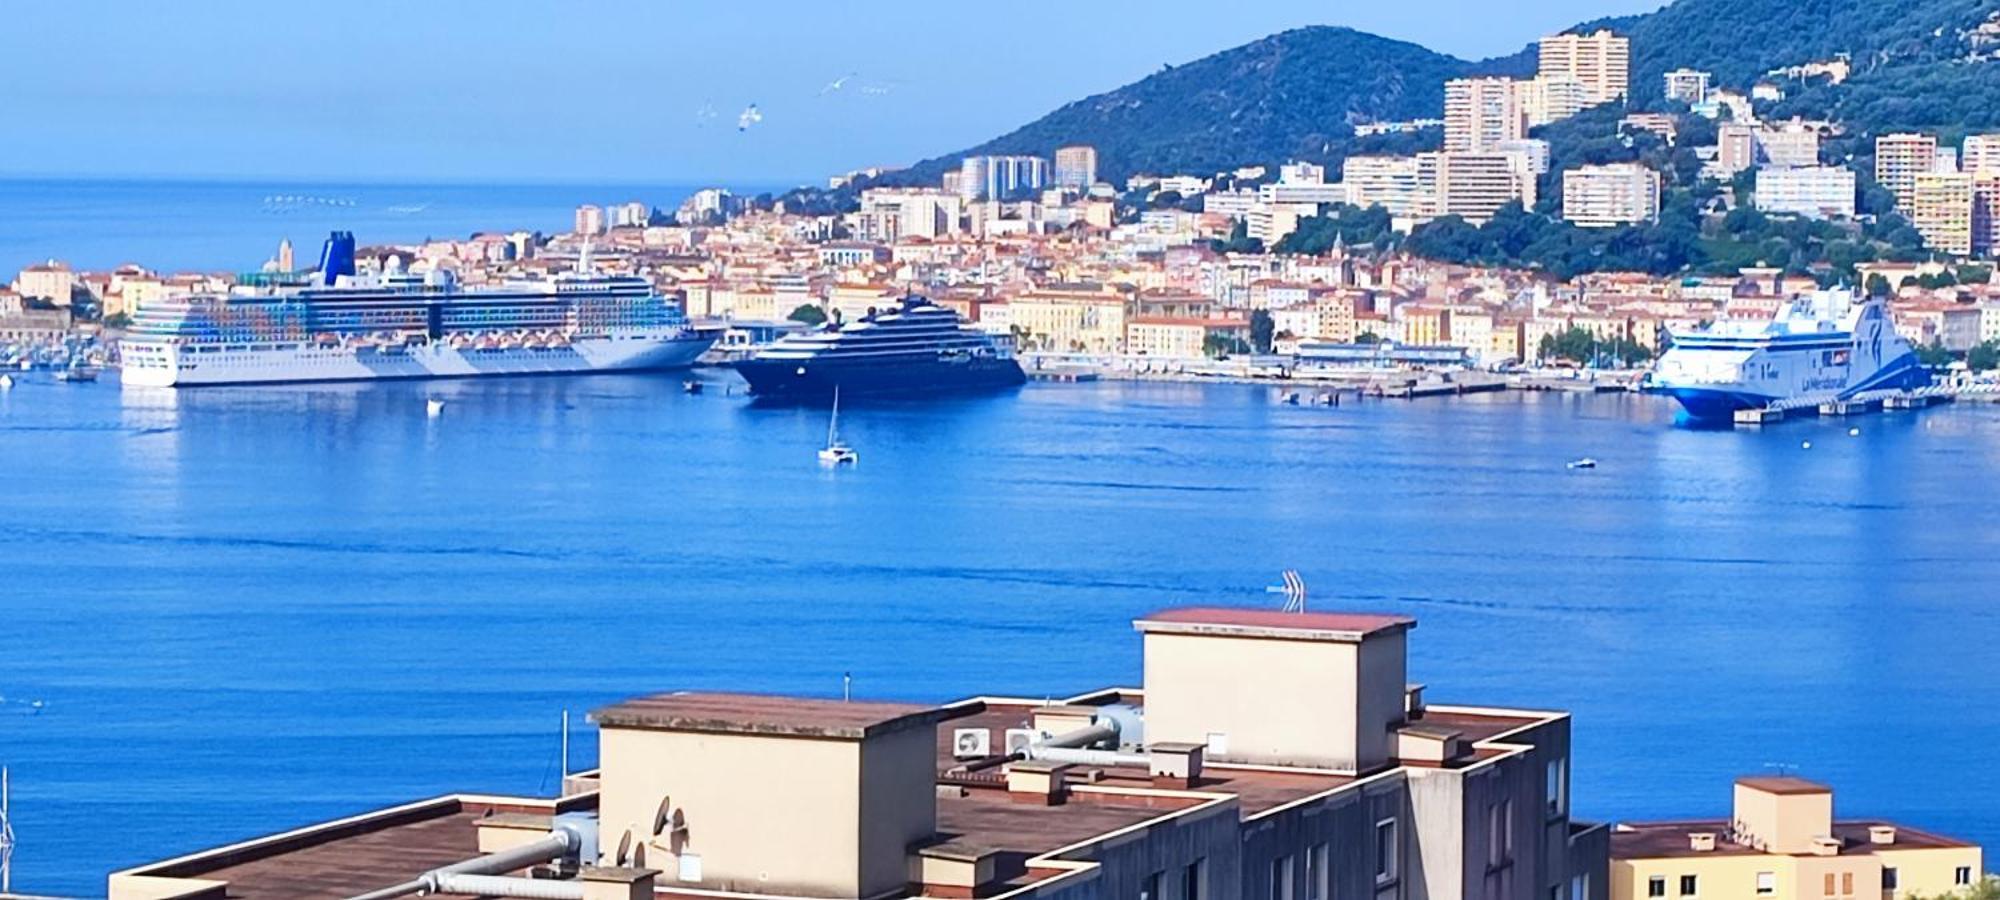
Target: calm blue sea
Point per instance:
(251, 608)
(236, 226)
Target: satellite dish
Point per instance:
(624, 847)
(662, 815)
(639, 857)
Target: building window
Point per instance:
(1688, 885)
(1318, 882)
(1847, 884)
(1500, 834)
(1194, 881)
(1557, 789)
(1656, 886)
(1281, 878)
(1829, 884)
(1888, 878)
(1962, 877)
(1767, 883)
(1149, 887)
(1386, 851)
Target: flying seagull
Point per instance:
(836, 84)
(750, 116)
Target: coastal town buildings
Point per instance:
(1782, 840)
(1264, 754)
(1474, 186)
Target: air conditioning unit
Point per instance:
(1018, 740)
(971, 743)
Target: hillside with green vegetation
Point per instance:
(1293, 95)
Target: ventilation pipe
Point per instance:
(478, 876)
(1071, 747)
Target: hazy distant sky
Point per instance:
(612, 90)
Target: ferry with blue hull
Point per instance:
(351, 327)
(1818, 348)
(916, 348)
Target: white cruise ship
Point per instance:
(395, 325)
(1821, 347)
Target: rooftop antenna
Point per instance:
(1294, 590)
(6, 837)
(565, 753)
(846, 687)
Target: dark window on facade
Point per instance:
(1194, 881)
(1149, 887)
(1688, 885)
(1656, 886)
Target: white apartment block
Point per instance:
(1394, 183)
(1550, 98)
(1481, 113)
(1982, 153)
(1789, 147)
(1820, 192)
(1601, 61)
(1474, 186)
(1609, 196)
(1535, 150)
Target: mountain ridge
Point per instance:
(1297, 94)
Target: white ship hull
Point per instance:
(1808, 356)
(159, 365)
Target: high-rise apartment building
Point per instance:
(1791, 146)
(1392, 182)
(1076, 166)
(1689, 86)
(1985, 211)
(1550, 98)
(1480, 114)
(1941, 210)
(1899, 159)
(589, 219)
(1002, 177)
(1600, 61)
(1982, 153)
(1736, 147)
(1608, 196)
(1474, 186)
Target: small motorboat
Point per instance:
(836, 453)
(1583, 463)
(6, 382)
(433, 407)
(1292, 398)
(691, 386)
(77, 375)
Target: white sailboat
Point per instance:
(836, 453)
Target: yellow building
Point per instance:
(1179, 337)
(1941, 210)
(1074, 321)
(1333, 317)
(1782, 843)
(1899, 159)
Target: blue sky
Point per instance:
(614, 90)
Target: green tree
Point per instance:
(1368, 337)
(1262, 329)
(809, 314)
(1984, 357)
(1934, 354)
(1217, 344)
(118, 320)
(1878, 286)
